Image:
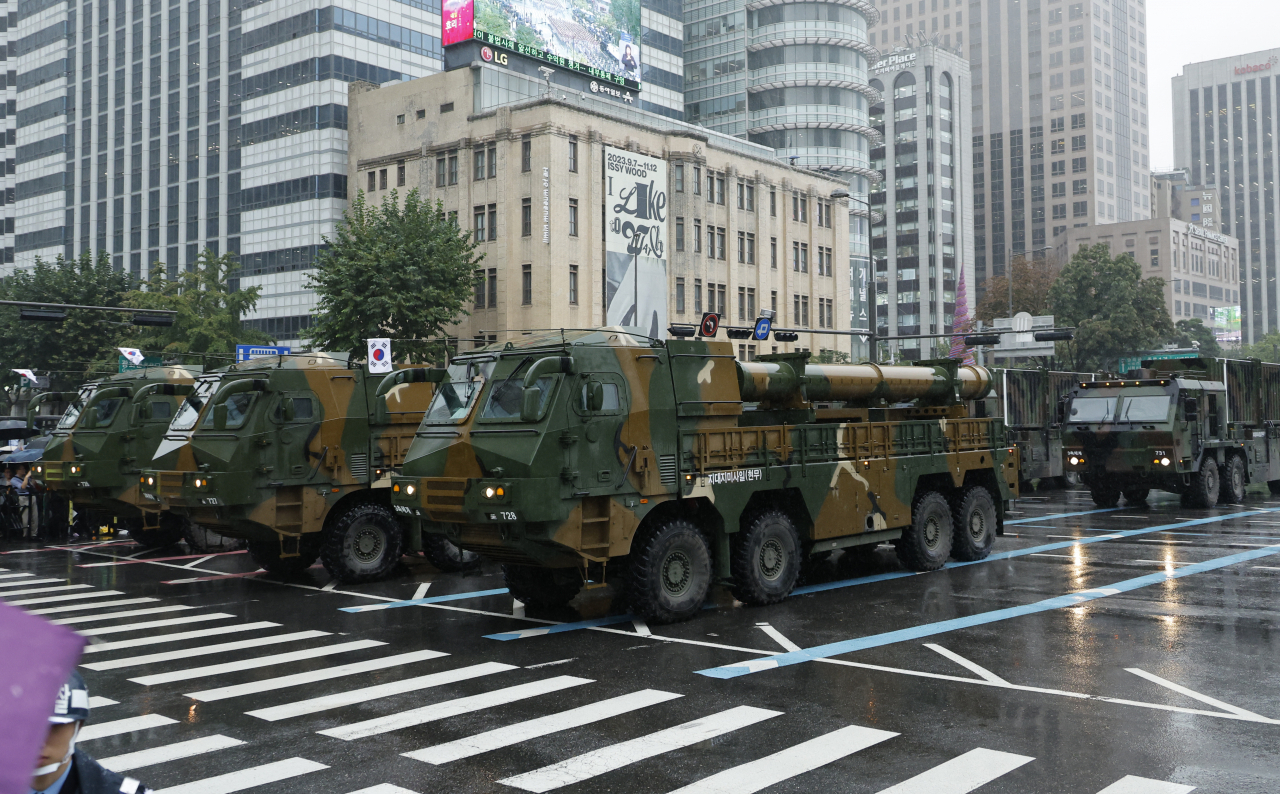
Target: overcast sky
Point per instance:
(1181, 32)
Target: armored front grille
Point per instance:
(488, 540)
(667, 469)
(358, 465)
(444, 499)
(170, 483)
(53, 472)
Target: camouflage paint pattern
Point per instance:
(1028, 401)
(668, 431)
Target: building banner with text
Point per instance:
(635, 241)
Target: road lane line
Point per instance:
(34, 590)
(178, 636)
(383, 788)
(104, 729)
(641, 628)
(127, 561)
(254, 663)
(351, 697)
(521, 634)
(962, 774)
(452, 708)
(247, 778)
(615, 756)
(1063, 515)
(155, 624)
(777, 637)
(421, 592)
(542, 726)
(132, 613)
(323, 674)
(98, 605)
(973, 667)
(168, 752)
(432, 600)
(1130, 784)
(186, 653)
(97, 702)
(1155, 679)
(785, 764)
(63, 598)
(205, 558)
(24, 582)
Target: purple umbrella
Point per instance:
(38, 657)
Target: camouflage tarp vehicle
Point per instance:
(294, 454)
(571, 455)
(98, 448)
(1028, 400)
(1202, 428)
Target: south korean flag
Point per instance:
(379, 356)
(133, 354)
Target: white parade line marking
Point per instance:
(180, 636)
(807, 756)
(96, 702)
(615, 756)
(254, 663)
(197, 562)
(34, 590)
(155, 624)
(324, 674)
(642, 628)
(1141, 785)
(351, 697)
(248, 778)
(186, 653)
(24, 582)
(57, 599)
(961, 774)
(97, 605)
(421, 592)
(974, 667)
(133, 613)
(104, 729)
(452, 708)
(777, 637)
(542, 726)
(383, 788)
(167, 753)
(1218, 704)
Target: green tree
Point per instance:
(1186, 332)
(627, 14)
(392, 271)
(1267, 348)
(1114, 310)
(78, 348)
(209, 309)
(489, 18)
(1031, 283)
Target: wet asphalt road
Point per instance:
(1166, 675)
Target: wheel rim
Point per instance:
(367, 544)
(932, 532)
(772, 559)
(978, 526)
(677, 573)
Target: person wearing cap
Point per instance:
(64, 769)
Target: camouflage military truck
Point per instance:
(595, 456)
(1028, 401)
(110, 430)
(1202, 428)
(294, 454)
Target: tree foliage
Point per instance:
(1266, 348)
(1031, 283)
(1114, 310)
(1186, 332)
(392, 271)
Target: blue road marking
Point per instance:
(520, 634)
(413, 602)
(1063, 515)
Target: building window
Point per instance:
(742, 195)
(493, 221)
(720, 253)
(1079, 165)
(1080, 209)
(1079, 187)
(697, 236)
(440, 173)
(679, 234)
(1059, 189)
(373, 181)
(697, 181)
(742, 304)
(382, 179)
(751, 248)
(751, 303)
(697, 296)
(479, 289)
(400, 173)
(573, 284)
(720, 190)
(1078, 143)
(678, 177)
(526, 153)
(573, 154)
(1059, 212)
(478, 159)
(493, 161)
(1155, 257)
(800, 257)
(773, 204)
(773, 251)
(742, 248)
(479, 214)
(453, 167)
(680, 295)
(751, 198)
(573, 217)
(400, 119)
(711, 242)
(493, 288)
(526, 217)
(526, 285)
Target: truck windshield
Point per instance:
(505, 397)
(238, 407)
(72, 415)
(1093, 409)
(105, 411)
(191, 407)
(1154, 408)
(452, 403)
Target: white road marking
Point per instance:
(254, 663)
(186, 653)
(384, 788)
(324, 674)
(115, 728)
(247, 778)
(34, 590)
(1265, 568)
(421, 592)
(1141, 785)
(98, 605)
(550, 664)
(1061, 556)
(785, 764)
(96, 702)
(24, 582)
(132, 613)
(777, 637)
(179, 636)
(615, 756)
(1157, 540)
(168, 752)
(13, 575)
(961, 774)
(452, 708)
(58, 599)
(1155, 679)
(981, 671)
(197, 562)
(332, 584)
(642, 628)
(155, 624)
(542, 726)
(351, 697)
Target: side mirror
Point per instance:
(287, 409)
(220, 416)
(1190, 408)
(141, 412)
(595, 395)
(530, 404)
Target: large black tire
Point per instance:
(1067, 481)
(1136, 496)
(542, 587)
(670, 571)
(203, 539)
(1231, 487)
(765, 558)
(1105, 495)
(973, 516)
(926, 544)
(1205, 484)
(446, 556)
(266, 554)
(362, 543)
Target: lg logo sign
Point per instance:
(489, 55)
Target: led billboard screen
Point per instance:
(597, 38)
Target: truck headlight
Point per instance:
(409, 489)
(1165, 461)
(202, 482)
(491, 492)
(1074, 461)
(75, 469)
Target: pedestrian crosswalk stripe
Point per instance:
(961, 774)
(615, 756)
(179, 636)
(61, 598)
(542, 726)
(35, 590)
(133, 613)
(24, 582)
(559, 628)
(785, 764)
(168, 752)
(384, 788)
(13, 575)
(312, 676)
(98, 702)
(1141, 785)
(155, 624)
(127, 725)
(351, 697)
(452, 708)
(96, 605)
(254, 663)
(186, 653)
(247, 778)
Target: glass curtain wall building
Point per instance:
(1225, 123)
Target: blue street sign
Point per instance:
(763, 325)
(249, 352)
